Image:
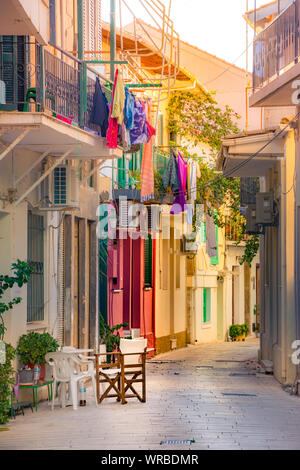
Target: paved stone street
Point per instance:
(204, 393)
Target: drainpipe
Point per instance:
(254, 17)
(112, 38)
(80, 29)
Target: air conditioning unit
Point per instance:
(265, 213)
(63, 189)
(189, 247)
(251, 225)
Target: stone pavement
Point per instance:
(204, 393)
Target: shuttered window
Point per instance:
(214, 261)
(148, 261)
(13, 69)
(92, 26)
(206, 305)
(121, 173)
(35, 288)
(52, 21)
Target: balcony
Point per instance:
(127, 182)
(276, 62)
(52, 91)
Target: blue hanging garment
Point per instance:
(129, 109)
(139, 134)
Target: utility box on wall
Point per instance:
(265, 208)
(251, 227)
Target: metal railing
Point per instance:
(277, 47)
(37, 80)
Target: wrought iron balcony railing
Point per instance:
(276, 48)
(37, 80)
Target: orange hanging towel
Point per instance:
(147, 173)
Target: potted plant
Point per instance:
(33, 347)
(235, 332)
(109, 337)
(244, 331)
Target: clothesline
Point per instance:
(126, 122)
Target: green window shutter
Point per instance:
(148, 261)
(121, 173)
(206, 305)
(215, 260)
(13, 69)
(203, 232)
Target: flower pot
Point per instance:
(42, 370)
(26, 376)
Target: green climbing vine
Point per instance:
(196, 118)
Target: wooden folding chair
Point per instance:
(108, 374)
(133, 368)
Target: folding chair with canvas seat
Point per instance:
(108, 373)
(133, 368)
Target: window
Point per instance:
(206, 306)
(35, 288)
(52, 22)
(14, 58)
(148, 261)
(215, 260)
(165, 264)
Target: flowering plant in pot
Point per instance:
(235, 332)
(244, 330)
(33, 347)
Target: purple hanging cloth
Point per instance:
(16, 387)
(180, 201)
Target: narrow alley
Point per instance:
(206, 394)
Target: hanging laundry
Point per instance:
(211, 236)
(170, 176)
(113, 126)
(147, 173)
(193, 173)
(180, 197)
(100, 111)
(129, 109)
(119, 99)
(139, 134)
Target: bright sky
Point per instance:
(216, 26)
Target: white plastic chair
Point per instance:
(67, 369)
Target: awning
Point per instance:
(250, 154)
